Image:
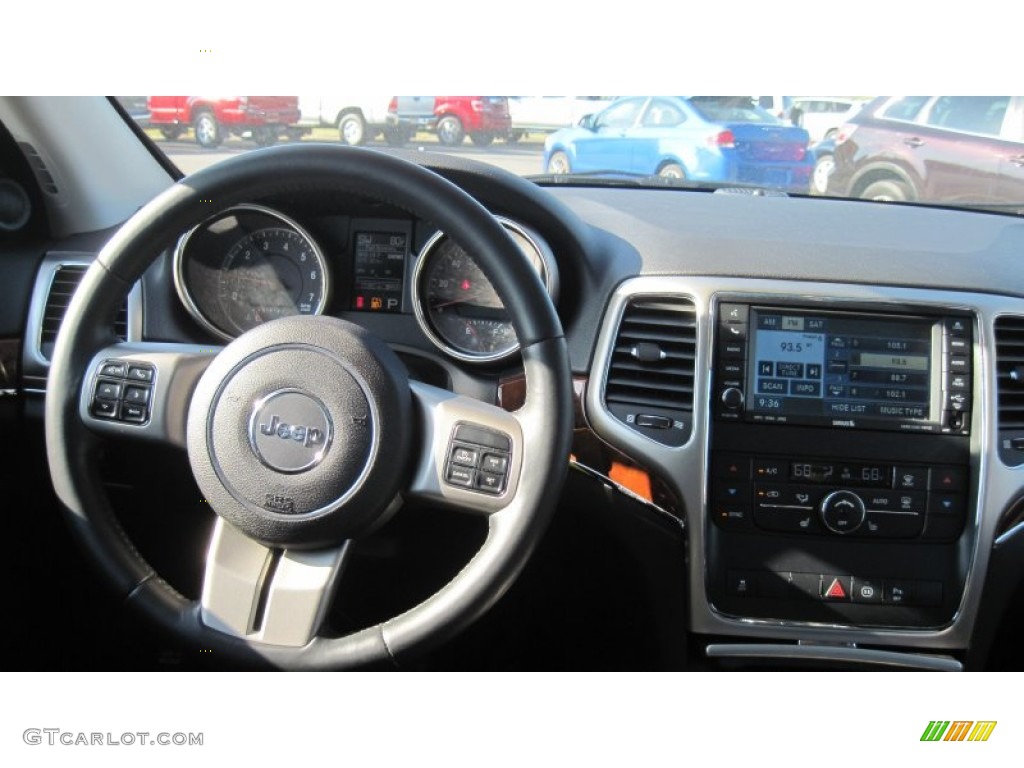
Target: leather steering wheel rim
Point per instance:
(546, 417)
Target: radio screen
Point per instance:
(822, 366)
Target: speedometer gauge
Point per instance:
(457, 306)
(249, 265)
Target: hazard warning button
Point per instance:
(835, 587)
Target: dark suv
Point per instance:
(945, 149)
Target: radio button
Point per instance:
(732, 349)
(957, 326)
(732, 398)
(842, 512)
(958, 364)
(959, 382)
(731, 369)
(734, 332)
(734, 313)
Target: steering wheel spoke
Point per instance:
(470, 453)
(142, 390)
(271, 596)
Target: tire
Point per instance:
(450, 131)
(172, 132)
(887, 190)
(264, 136)
(352, 129)
(209, 134)
(514, 137)
(483, 139)
(396, 136)
(822, 170)
(672, 171)
(558, 163)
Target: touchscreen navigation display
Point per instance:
(832, 366)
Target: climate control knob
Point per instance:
(842, 511)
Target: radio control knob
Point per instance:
(842, 511)
(732, 398)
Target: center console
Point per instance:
(839, 450)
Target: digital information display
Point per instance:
(839, 367)
(379, 271)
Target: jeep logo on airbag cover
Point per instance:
(306, 435)
(290, 431)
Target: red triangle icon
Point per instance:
(836, 591)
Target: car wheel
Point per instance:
(823, 168)
(558, 163)
(449, 131)
(172, 132)
(482, 139)
(513, 137)
(285, 515)
(672, 171)
(352, 129)
(887, 190)
(264, 136)
(396, 136)
(209, 134)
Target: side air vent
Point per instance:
(66, 278)
(651, 374)
(43, 175)
(1010, 387)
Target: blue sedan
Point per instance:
(701, 138)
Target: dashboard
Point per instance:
(815, 389)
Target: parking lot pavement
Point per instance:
(522, 159)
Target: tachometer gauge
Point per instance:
(249, 265)
(457, 306)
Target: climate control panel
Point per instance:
(825, 497)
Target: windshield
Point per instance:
(952, 150)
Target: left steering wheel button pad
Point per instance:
(113, 398)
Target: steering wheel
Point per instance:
(306, 433)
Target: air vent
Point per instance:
(43, 175)
(66, 278)
(1010, 383)
(651, 374)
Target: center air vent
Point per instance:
(66, 278)
(651, 374)
(1010, 383)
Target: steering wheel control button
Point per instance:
(140, 373)
(842, 512)
(108, 390)
(461, 476)
(495, 462)
(465, 455)
(478, 458)
(114, 370)
(489, 482)
(136, 395)
(133, 413)
(290, 431)
(113, 398)
(105, 409)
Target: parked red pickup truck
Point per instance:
(213, 118)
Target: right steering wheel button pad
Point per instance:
(478, 459)
(122, 392)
